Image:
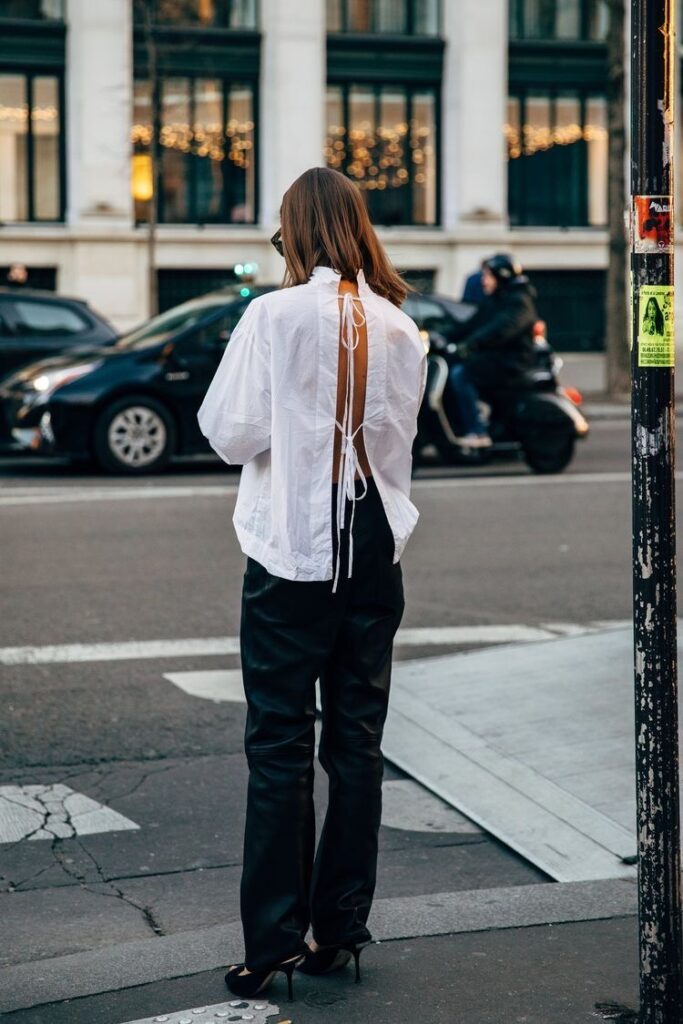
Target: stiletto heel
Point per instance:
(355, 950)
(331, 958)
(289, 971)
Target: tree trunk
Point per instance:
(616, 316)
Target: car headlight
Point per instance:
(48, 382)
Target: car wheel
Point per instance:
(134, 435)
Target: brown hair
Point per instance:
(325, 222)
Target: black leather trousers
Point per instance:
(292, 633)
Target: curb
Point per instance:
(150, 960)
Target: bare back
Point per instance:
(360, 368)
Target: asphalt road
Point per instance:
(90, 560)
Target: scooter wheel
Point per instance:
(550, 460)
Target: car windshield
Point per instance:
(174, 320)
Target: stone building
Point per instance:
(471, 126)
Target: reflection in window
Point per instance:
(384, 139)
(411, 17)
(201, 13)
(38, 10)
(557, 159)
(206, 151)
(558, 19)
(30, 148)
(13, 148)
(46, 132)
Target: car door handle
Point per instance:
(177, 375)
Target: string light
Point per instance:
(376, 160)
(202, 139)
(539, 138)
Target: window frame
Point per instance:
(29, 74)
(227, 83)
(409, 88)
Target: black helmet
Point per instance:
(503, 267)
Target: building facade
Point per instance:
(470, 126)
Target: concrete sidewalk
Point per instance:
(535, 743)
(543, 954)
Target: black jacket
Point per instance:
(501, 331)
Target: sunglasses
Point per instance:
(277, 242)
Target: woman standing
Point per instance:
(317, 396)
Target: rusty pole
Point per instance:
(654, 527)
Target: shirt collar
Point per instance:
(328, 274)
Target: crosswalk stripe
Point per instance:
(53, 654)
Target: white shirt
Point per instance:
(271, 407)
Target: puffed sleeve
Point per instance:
(234, 416)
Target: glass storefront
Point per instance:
(206, 135)
(557, 158)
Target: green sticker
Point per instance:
(656, 345)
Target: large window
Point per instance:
(42, 10)
(557, 158)
(30, 147)
(401, 17)
(385, 139)
(231, 14)
(205, 144)
(558, 19)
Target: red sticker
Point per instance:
(653, 224)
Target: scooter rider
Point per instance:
(499, 345)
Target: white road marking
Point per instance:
(61, 495)
(218, 685)
(531, 480)
(409, 806)
(54, 811)
(54, 654)
(11, 497)
(237, 1009)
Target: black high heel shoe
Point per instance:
(249, 985)
(332, 958)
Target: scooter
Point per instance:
(537, 419)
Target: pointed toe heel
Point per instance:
(255, 982)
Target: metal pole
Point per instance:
(654, 526)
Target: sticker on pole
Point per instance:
(656, 325)
(653, 224)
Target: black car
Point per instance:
(439, 314)
(35, 325)
(131, 405)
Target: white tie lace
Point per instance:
(348, 458)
